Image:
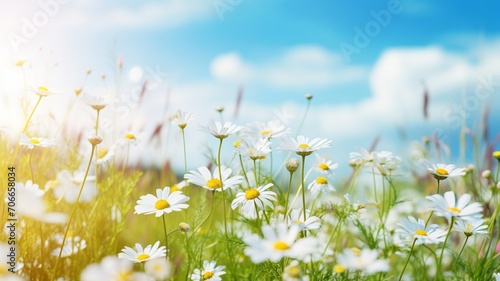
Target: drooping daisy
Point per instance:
(303, 146)
(143, 254)
(211, 181)
(268, 130)
(254, 197)
(386, 161)
(449, 207)
(412, 229)
(254, 148)
(96, 102)
(182, 118)
(325, 166)
(31, 142)
(209, 272)
(443, 171)
(159, 268)
(219, 130)
(470, 228)
(320, 184)
(365, 260)
(279, 242)
(163, 203)
(297, 218)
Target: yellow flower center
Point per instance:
(237, 143)
(304, 146)
(125, 275)
(252, 194)
(43, 88)
(174, 188)
(294, 272)
(208, 275)
(454, 209)
(142, 257)
(356, 251)
(34, 141)
(298, 221)
(130, 136)
(339, 268)
(323, 167)
(496, 154)
(101, 153)
(214, 183)
(321, 180)
(421, 232)
(161, 204)
(182, 125)
(280, 245)
(441, 172)
(265, 132)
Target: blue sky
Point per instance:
(277, 51)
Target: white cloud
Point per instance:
(308, 66)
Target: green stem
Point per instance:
(438, 271)
(304, 117)
(31, 115)
(407, 260)
(255, 173)
(288, 195)
(31, 168)
(165, 231)
(73, 211)
(222, 185)
(460, 253)
(243, 170)
(303, 187)
(184, 146)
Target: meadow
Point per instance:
(76, 208)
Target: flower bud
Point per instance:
(95, 140)
(486, 174)
(292, 165)
(496, 155)
(184, 227)
(309, 96)
(219, 108)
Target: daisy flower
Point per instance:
(143, 254)
(386, 162)
(320, 184)
(163, 203)
(104, 155)
(254, 148)
(325, 166)
(412, 229)
(72, 245)
(470, 228)
(279, 242)
(182, 118)
(303, 146)
(497, 276)
(219, 130)
(211, 181)
(254, 197)
(159, 268)
(178, 186)
(68, 185)
(43, 91)
(113, 269)
(31, 142)
(442, 171)
(449, 207)
(96, 102)
(365, 260)
(36, 208)
(209, 272)
(311, 222)
(362, 157)
(293, 272)
(268, 130)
